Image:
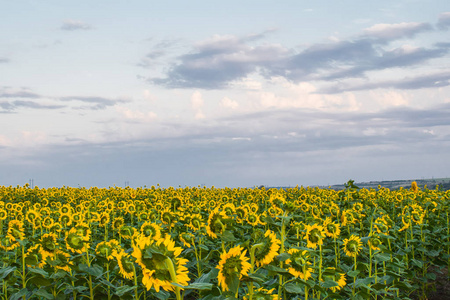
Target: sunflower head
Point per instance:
(374, 242)
(263, 294)
(314, 235)
(126, 265)
(232, 266)
(266, 249)
(299, 265)
(332, 274)
(352, 246)
(105, 250)
(76, 242)
(49, 243)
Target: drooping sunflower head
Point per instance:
(118, 222)
(414, 187)
(232, 265)
(31, 215)
(49, 243)
(105, 250)
(332, 274)
(60, 260)
(331, 229)
(15, 230)
(76, 242)
(215, 223)
(104, 219)
(151, 230)
(299, 265)
(126, 231)
(374, 242)
(47, 222)
(196, 222)
(126, 265)
(314, 235)
(266, 248)
(352, 246)
(8, 243)
(187, 239)
(381, 226)
(34, 257)
(65, 219)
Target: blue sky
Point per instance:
(229, 93)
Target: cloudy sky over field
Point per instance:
(224, 93)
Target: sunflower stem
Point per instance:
(136, 294)
(173, 276)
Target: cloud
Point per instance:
(98, 103)
(228, 61)
(72, 25)
(19, 94)
(228, 103)
(388, 32)
(197, 105)
(218, 61)
(433, 80)
(444, 21)
(4, 60)
(10, 106)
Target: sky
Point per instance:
(223, 93)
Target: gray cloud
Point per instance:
(20, 94)
(98, 103)
(444, 21)
(4, 60)
(72, 25)
(10, 106)
(220, 60)
(440, 79)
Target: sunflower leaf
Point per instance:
(6, 271)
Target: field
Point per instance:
(213, 243)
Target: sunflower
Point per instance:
(253, 219)
(126, 267)
(8, 243)
(31, 215)
(196, 223)
(3, 214)
(76, 242)
(331, 274)
(34, 257)
(117, 223)
(187, 239)
(331, 229)
(263, 294)
(374, 242)
(104, 219)
(414, 187)
(381, 226)
(232, 264)
(15, 230)
(266, 249)
(314, 235)
(48, 244)
(60, 261)
(299, 266)
(156, 268)
(229, 209)
(48, 222)
(215, 224)
(105, 249)
(352, 246)
(65, 219)
(126, 231)
(152, 230)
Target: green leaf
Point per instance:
(43, 293)
(417, 263)
(40, 281)
(283, 256)
(4, 272)
(353, 273)
(19, 294)
(234, 283)
(95, 270)
(199, 286)
(122, 290)
(228, 236)
(293, 288)
(276, 269)
(38, 271)
(329, 284)
(382, 257)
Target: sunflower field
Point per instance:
(222, 243)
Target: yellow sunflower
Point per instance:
(314, 236)
(266, 249)
(232, 264)
(331, 229)
(125, 263)
(215, 224)
(263, 294)
(157, 268)
(76, 242)
(49, 244)
(331, 274)
(299, 266)
(352, 246)
(34, 257)
(151, 230)
(374, 242)
(15, 230)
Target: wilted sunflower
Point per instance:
(314, 236)
(232, 264)
(156, 267)
(266, 249)
(125, 263)
(352, 246)
(263, 294)
(299, 265)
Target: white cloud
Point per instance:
(136, 114)
(396, 31)
(149, 96)
(197, 105)
(71, 25)
(228, 103)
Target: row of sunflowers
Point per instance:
(222, 243)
